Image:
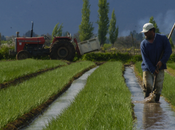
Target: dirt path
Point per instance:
(150, 116)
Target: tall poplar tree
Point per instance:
(113, 31)
(103, 22)
(86, 27)
(151, 20)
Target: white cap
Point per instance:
(147, 27)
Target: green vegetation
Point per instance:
(113, 31)
(151, 20)
(106, 46)
(104, 103)
(103, 21)
(171, 65)
(86, 27)
(57, 30)
(138, 67)
(11, 70)
(167, 91)
(15, 101)
(172, 58)
(3, 41)
(171, 43)
(168, 83)
(125, 58)
(4, 51)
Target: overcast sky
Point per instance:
(16, 15)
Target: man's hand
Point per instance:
(156, 72)
(159, 64)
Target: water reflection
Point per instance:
(150, 116)
(153, 116)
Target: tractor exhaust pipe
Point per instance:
(31, 30)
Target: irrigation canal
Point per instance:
(150, 116)
(60, 104)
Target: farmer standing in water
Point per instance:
(151, 49)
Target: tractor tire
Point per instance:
(22, 55)
(62, 49)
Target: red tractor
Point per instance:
(61, 47)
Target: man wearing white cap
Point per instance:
(151, 49)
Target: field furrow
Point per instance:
(168, 85)
(104, 103)
(16, 101)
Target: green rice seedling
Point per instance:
(10, 70)
(171, 65)
(171, 68)
(138, 68)
(168, 91)
(18, 100)
(104, 103)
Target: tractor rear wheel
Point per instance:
(62, 49)
(22, 55)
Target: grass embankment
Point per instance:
(104, 103)
(168, 85)
(10, 70)
(111, 56)
(16, 101)
(171, 68)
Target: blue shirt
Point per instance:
(151, 52)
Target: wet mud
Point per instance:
(149, 116)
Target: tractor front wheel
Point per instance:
(62, 49)
(22, 55)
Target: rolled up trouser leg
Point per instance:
(147, 83)
(159, 82)
(159, 85)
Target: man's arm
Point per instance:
(167, 50)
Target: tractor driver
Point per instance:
(151, 49)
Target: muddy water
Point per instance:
(150, 116)
(60, 104)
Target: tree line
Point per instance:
(106, 26)
(86, 27)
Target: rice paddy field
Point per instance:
(10, 70)
(22, 98)
(104, 103)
